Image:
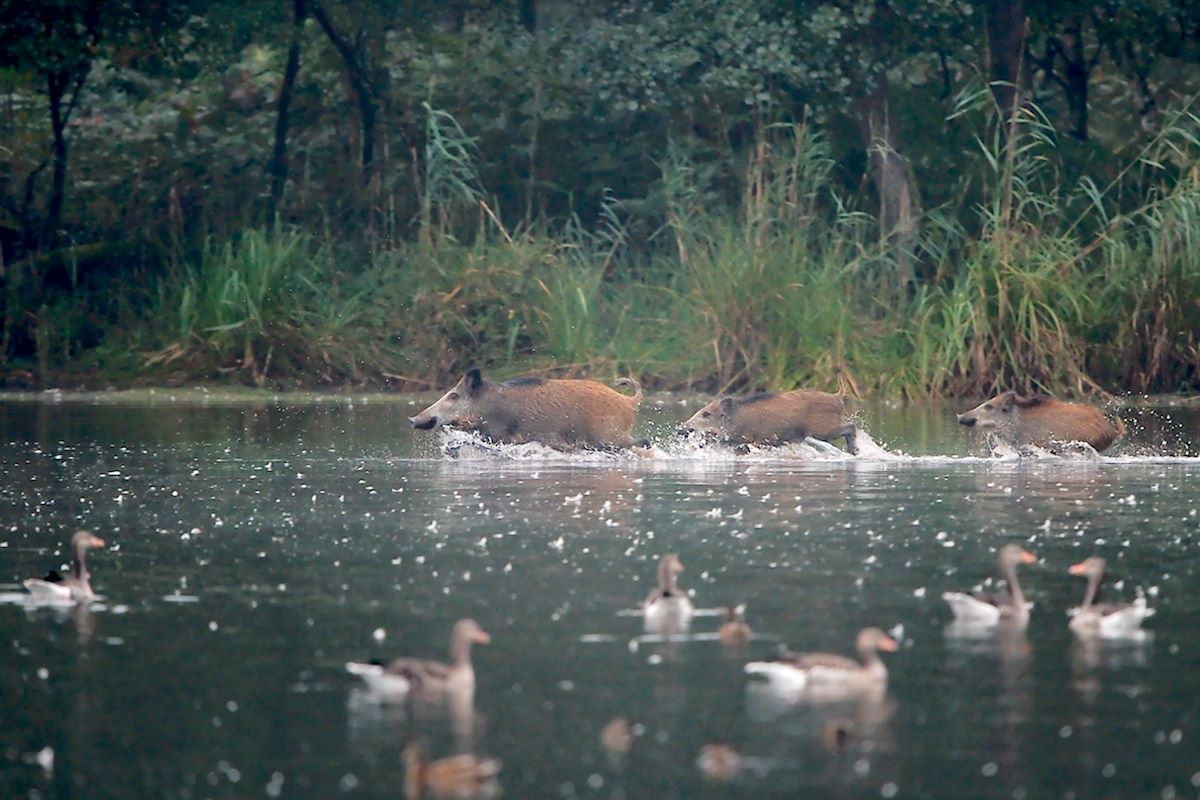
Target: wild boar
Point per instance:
(563, 414)
(1042, 421)
(774, 419)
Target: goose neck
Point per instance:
(460, 651)
(1016, 596)
(1093, 587)
(79, 562)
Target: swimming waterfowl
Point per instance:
(720, 763)
(1009, 608)
(734, 632)
(827, 673)
(667, 608)
(461, 777)
(1105, 619)
(617, 737)
(76, 586)
(414, 676)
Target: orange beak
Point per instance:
(888, 645)
(1028, 557)
(1078, 569)
(483, 638)
(97, 542)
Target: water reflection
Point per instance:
(258, 547)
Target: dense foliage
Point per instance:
(936, 197)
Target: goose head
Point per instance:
(668, 568)
(872, 640)
(466, 633)
(1012, 554)
(85, 540)
(1090, 567)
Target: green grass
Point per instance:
(1042, 287)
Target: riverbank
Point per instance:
(234, 395)
(792, 288)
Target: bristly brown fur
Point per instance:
(1032, 401)
(772, 418)
(755, 398)
(525, 380)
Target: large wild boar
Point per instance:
(1042, 421)
(563, 414)
(774, 419)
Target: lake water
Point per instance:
(256, 546)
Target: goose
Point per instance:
(1113, 620)
(734, 632)
(825, 673)
(667, 609)
(461, 777)
(414, 676)
(76, 587)
(992, 609)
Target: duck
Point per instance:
(403, 677)
(826, 673)
(76, 587)
(667, 609)
(994, 608)
(734, 632)
(1109, 620)
(461, 777)
(720, 763)
(617, 737)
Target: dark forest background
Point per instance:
(917, 199)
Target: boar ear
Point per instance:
(474, 381)
(726, 404)
(1006, 401)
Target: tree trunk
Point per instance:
(898, 205)
(359, 83)
(1004, 22)
(529, 15)
(278, 167)
(1140, 89)
(56, 86)
(1075, 81)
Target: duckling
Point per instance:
(720, 763)
(837, 733)
(461, 777)
(412, 676)
(76, 586)
(617, 737)
(734, 632)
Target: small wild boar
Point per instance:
(1042, 421)
(563, 414)
(774, 419)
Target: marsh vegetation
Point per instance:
(715, 196)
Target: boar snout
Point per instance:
(966, 419)
(422, 422)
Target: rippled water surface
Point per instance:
(256, 546)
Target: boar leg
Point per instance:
(626, 443)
